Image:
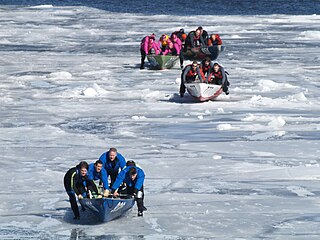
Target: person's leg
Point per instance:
(182, 86)
(181, 59)
(143, 58)
(113, 177)
(225, 86)
(74, 205)
(140, 199)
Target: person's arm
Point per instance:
(177, 47)
(75, 180)
(219, 41)
(199, 74)
(157, 48)
(202, 42)
(104, 179)
(145, 45)
(103, 159)
(223, 75)
(192, 40)
(122, 161)
(92, 186)
(120, 178)
(185, 72)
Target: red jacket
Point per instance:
(217, 41)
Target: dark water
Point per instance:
(189, 7)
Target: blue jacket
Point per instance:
(119, 163)
(102, 175)
(124, 176)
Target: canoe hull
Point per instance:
(107, 209)
(200, 53)
(160, 62)
(203, 91)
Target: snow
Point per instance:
(245, 166)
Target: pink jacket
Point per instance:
(167, 51)
(177, 44)
(149, 43)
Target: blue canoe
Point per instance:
(107, 209)
(200, 53)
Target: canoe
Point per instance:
(160, 62)
(200, 53)
(203, 91)
(107, 209)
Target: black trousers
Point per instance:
(139, 199)
(73, 202)
(113, 177)
(143, 57)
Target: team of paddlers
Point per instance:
(178, 42)
(115, 175)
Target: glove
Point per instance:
(80, 196)
(99, 196)
(106, 193)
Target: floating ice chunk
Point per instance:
(266, 136)
(200, 117)
(220, 110)
(138, 117)
(42, 6)
(310, 35)
(90, 92)
(224, 126)
(262, 154)
(216, 157)
(277, 122)
(299, 97)
(269, 85)
(300, 191)
(60, 75)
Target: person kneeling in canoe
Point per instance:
(205, 66)
(77, 183)
(188, 75)
(219, 76)
(133, 177)
(96, 171)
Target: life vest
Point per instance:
(164, 41)
(191, 75)
(217, 75)
(205, 68)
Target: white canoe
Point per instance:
(203, 91)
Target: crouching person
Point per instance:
(77, 184)
(133, 178)
(97, 172)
